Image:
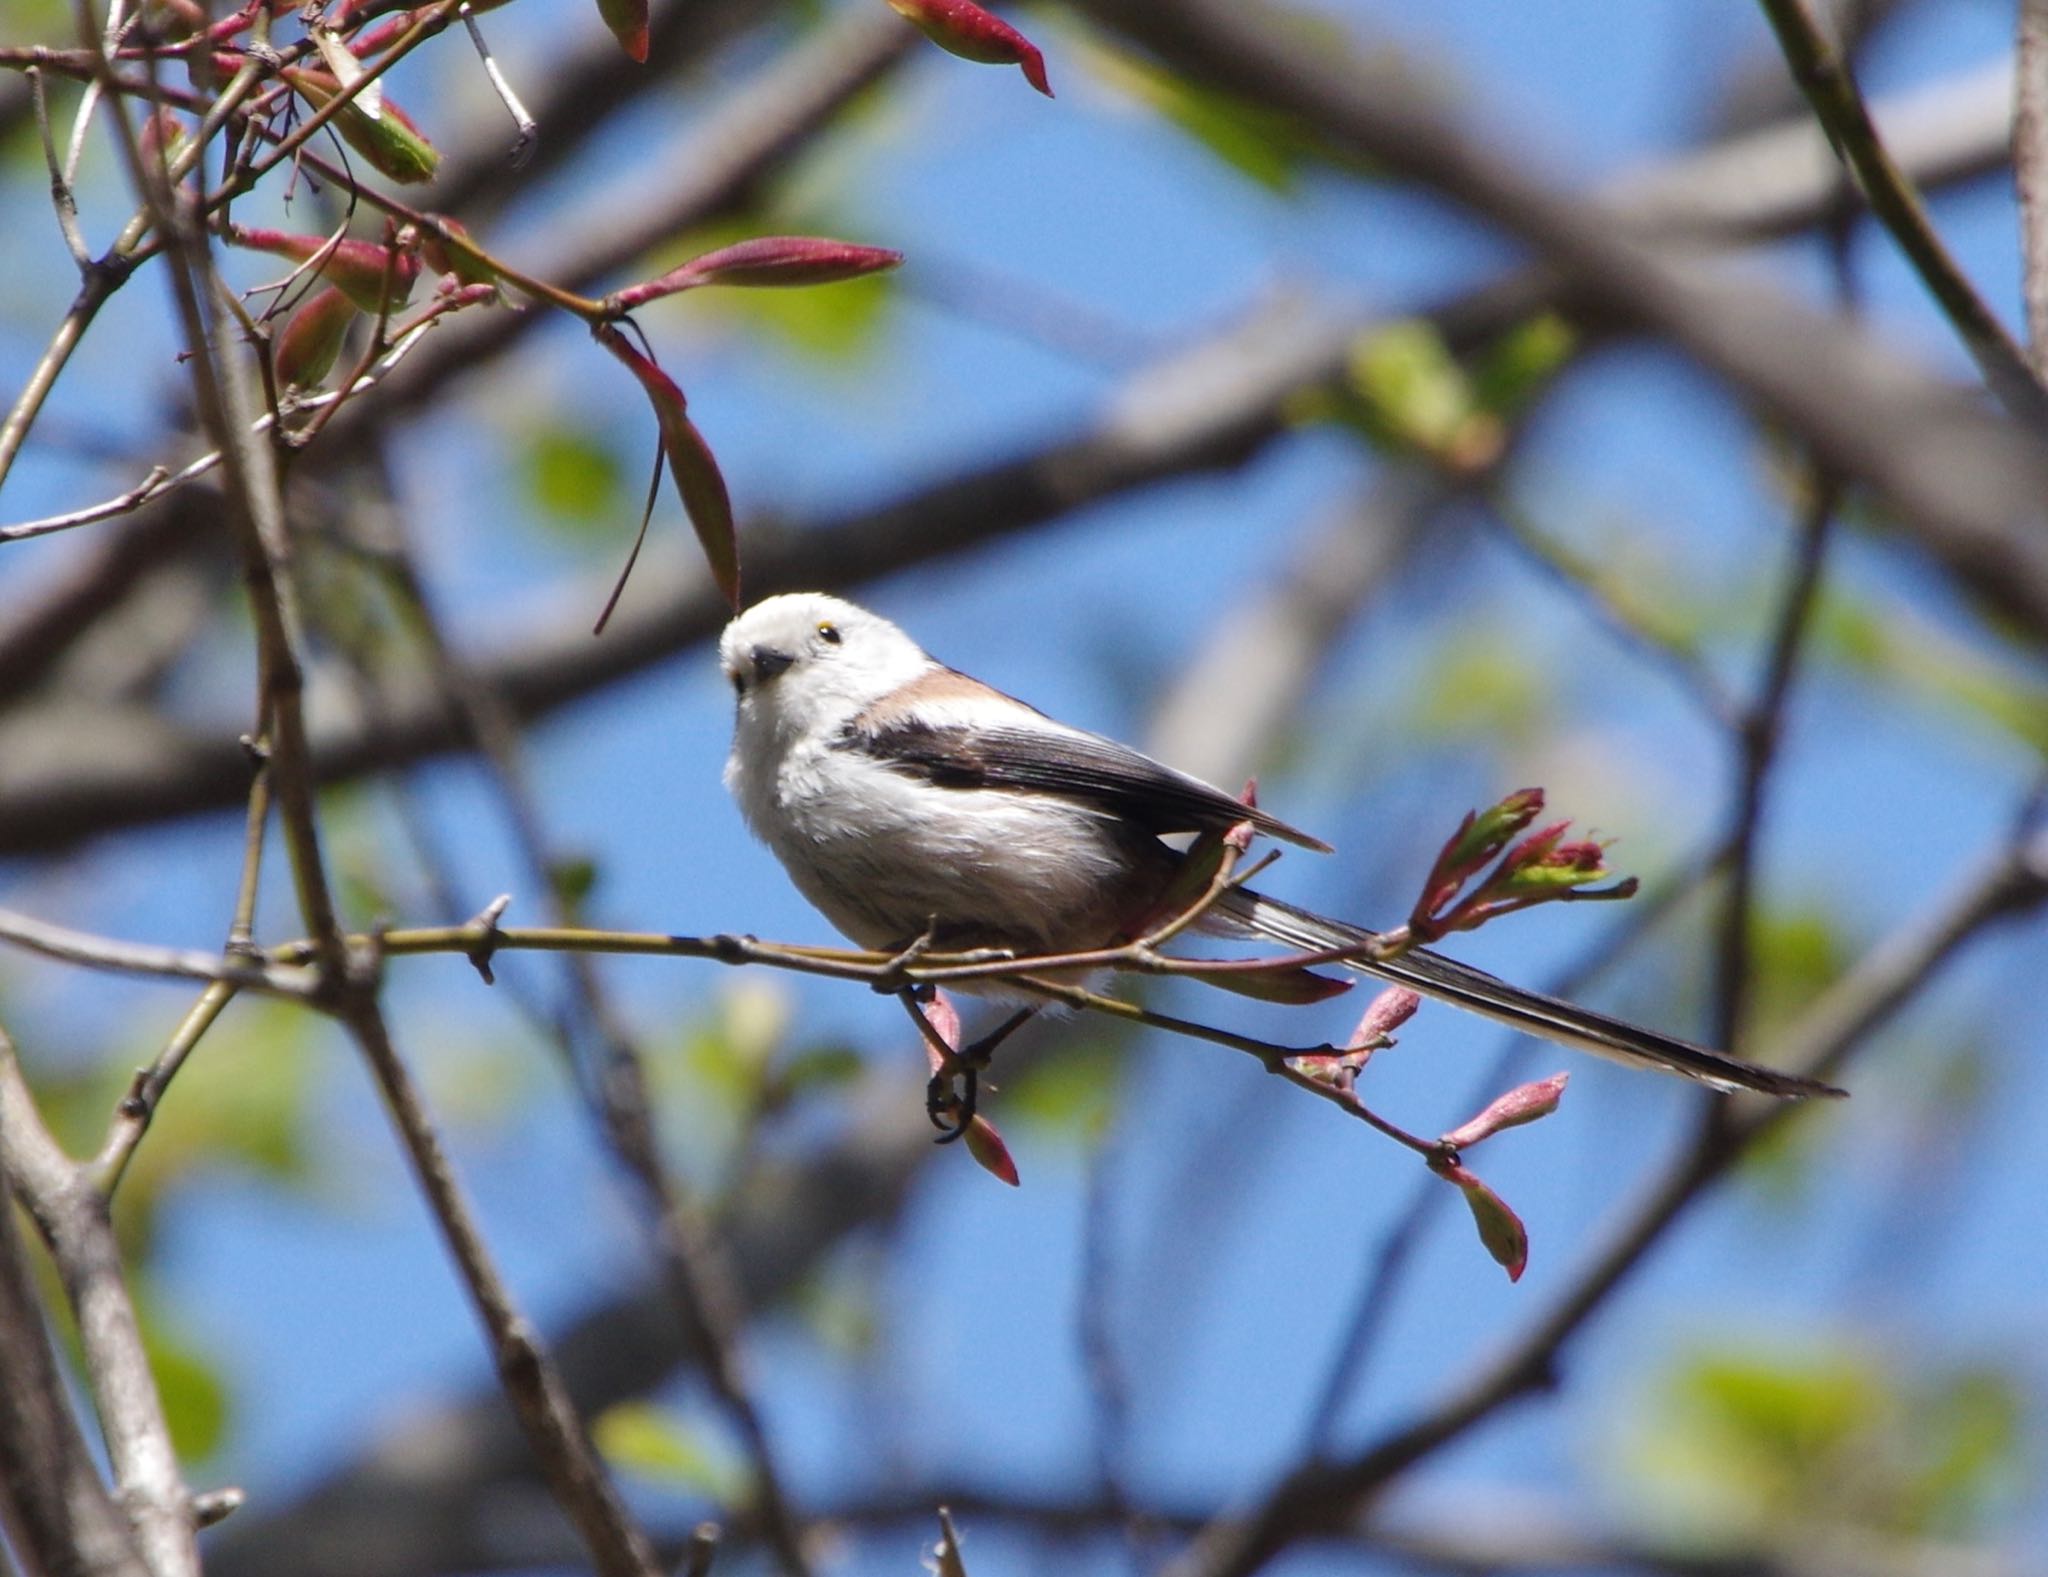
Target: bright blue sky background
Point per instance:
(1245, 1213)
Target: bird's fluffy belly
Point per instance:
(991, 868)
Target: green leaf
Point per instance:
(1414, 395)
(575, 477)
(1517, 367)
(820, 1068)
(1262, 145)
(1074, 1091)
(1746, 1445)
(194, 1396)
(655, 1442)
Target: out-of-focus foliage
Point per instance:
(1741, 1446)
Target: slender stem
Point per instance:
(1830, 88)
(72, 1216)
(2030, 170)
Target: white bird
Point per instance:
(908, 800)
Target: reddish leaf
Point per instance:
(628, 21)
(311, 341)
(1523, 1104)
(705, 499)
(358, 267)
(769, 260)
(1288, 983)
(945, 1018)
(454, 256)
(962, 28)
(703, 491)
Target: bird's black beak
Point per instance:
(768, 662)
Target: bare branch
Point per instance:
(2030, 170)
(1830, 87)
(54, 1508)
(72, 1216)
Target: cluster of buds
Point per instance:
(1462, 894)
(361, 277)
(1500, 1229)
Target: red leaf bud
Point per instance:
(769, 260)
(1524, 1104)
(311, 341)
(1386, 1013)
(962, 28)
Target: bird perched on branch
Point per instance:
(913, 804)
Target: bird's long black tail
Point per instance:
(1446, 979)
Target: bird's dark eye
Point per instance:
(829, 633)
(739, 682)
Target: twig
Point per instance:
(72, 1217)
(143, 958)
(528, 129)
(529, 1376)
(62, 198)
(1830, 87)
(161, 481)
(1392, 1261)
(138, 1107)
(2030, 171)
(1317, 1495)
(692, 1254)
(54, 1509)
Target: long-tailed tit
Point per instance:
(906, 799)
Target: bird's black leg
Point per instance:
(951, 1111)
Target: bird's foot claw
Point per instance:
(952, 1111)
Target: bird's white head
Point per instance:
(804, 663)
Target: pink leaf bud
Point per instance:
(312, 340)
(769, 260)
(1386, 1013)
(1500, 1229)
(989, 1151)
(945, 1018)
(962, 28)
(1523, 1104)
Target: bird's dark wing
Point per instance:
(1084, 767)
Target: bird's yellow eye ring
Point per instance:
(829, 633)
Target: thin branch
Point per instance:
(54, 1509)
(72, 1216)
(62, 198)
(143, 958)
(529, 1375)
(1830, 87)
(2030, 171)
(694, 1258)
(522, 120)
(138, 1107)
(1320, 1495)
